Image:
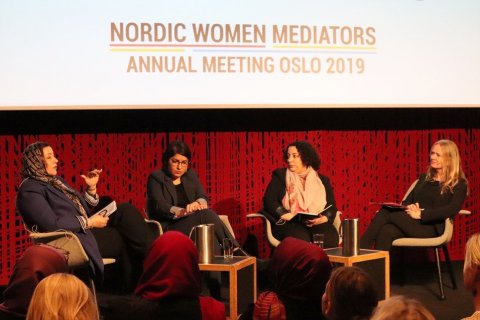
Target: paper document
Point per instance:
(108, 210)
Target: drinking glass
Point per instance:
(227, 248)
(318, 239)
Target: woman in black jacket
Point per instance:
(300, 188)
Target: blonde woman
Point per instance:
(439, 194)
(401, 308)
(471, 275)
(62, 296)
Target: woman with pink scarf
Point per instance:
(300, 188)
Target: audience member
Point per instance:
(471, 272)
(169, 287)
(350, 294)
(37, 262)
(299, 272)
(300, 188)
(439, 194)
(47, 203)
(401, 308)
(62, 296)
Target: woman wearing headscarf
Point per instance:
(300, 188)
(171, 279)
(47, 203)
(36, 263)
(299, 272)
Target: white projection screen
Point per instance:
(90, 54)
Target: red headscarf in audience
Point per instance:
(171, 269)
(299, 271)
(36, 263)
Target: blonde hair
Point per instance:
(401, 308)
(472, 262)
(452, 169)
(62, 296)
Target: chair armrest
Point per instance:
(41, 237)
(66, 240)
(268, 228)
(227, 224)
(155, 226)
(337, 223)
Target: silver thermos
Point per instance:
(204, 236)
(350, 237)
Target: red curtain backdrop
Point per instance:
(236, 167)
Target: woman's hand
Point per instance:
(195, 206)
(91, 179)
(414, 211)
(97, 221)
(316, 221)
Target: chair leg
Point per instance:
(402, 266)
(439, 274)
(94, 293)
(449, 266)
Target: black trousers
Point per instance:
(389, 225)
(298, 230)
(206, 216)
(127, 239)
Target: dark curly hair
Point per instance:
(173, 148)
(307, 153)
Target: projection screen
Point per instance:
(58, 54)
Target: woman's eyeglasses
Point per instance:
(176, 162)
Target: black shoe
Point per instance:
(262, 264)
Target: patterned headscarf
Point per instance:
(33, 167)
(269, 307)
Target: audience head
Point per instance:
(350, 294)
(471, 272)
(36, 263)
(170, 268)
(308, 155)
(33, 160)
(299, 270)
(62, 296)
(401, 308)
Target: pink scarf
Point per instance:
(304, 192)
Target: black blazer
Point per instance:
(42, 205)
(161, 194)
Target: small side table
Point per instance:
(243, 280)
(374, 262)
